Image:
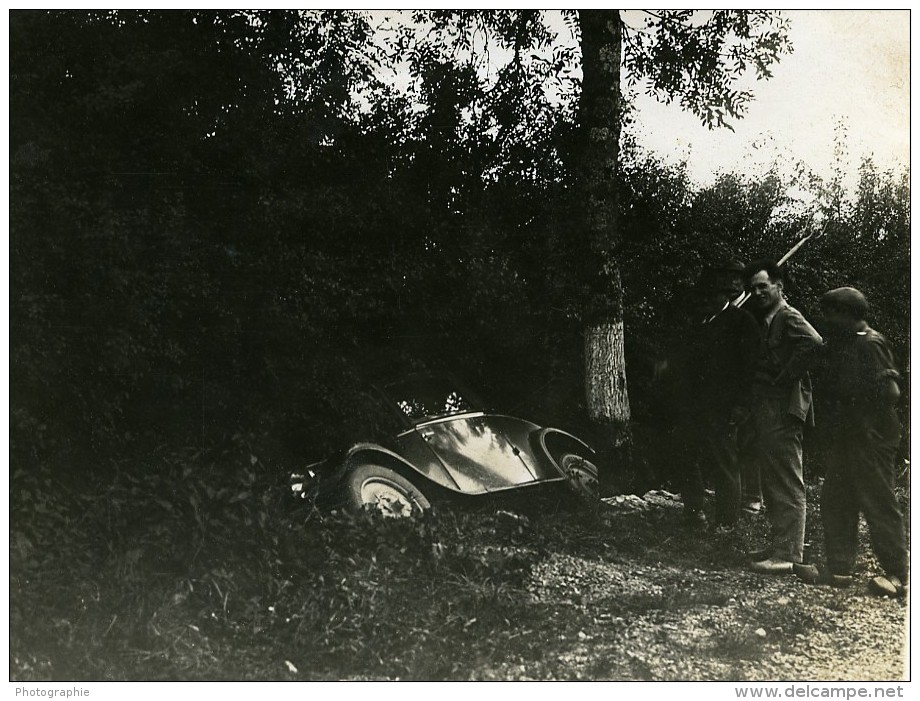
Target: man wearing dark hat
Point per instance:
(730, 274)
(780, 406)
(861, 382)
(715, 373)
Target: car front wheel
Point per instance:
(384, 491)
(582, 475)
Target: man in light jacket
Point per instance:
(781, 403)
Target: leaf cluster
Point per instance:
(697, 58)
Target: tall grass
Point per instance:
(196, 568)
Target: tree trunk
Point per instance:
(599, 117)
(605, 373)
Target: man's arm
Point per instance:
(879, 361)
(882, 388)
(805, 343)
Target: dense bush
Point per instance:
(197, 566)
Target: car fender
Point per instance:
(552, 440)
(361, 453)
(323, 480)
(438, 478)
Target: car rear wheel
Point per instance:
(384, 491)
(582, 475)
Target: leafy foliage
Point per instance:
(255, 222)
(697, 57)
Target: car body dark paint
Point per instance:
(458, 449)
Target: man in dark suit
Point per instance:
(715, 377)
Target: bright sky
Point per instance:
(849, 65)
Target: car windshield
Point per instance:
(429, 397)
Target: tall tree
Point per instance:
(599, 118)
(696, 59)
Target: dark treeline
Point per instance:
(224, 224)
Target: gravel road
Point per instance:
(619, 615)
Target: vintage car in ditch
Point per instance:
(433, 441)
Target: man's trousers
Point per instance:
(860, 478)
(773, 443)
(711, 445)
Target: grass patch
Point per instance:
(178, 575)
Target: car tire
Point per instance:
(384, 491)
(582, 475)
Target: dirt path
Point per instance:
(723, 625)
(619, 616)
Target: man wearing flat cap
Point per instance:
(861, 383)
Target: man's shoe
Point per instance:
(807, 573)
(772, 565)
(810, 574)
(887, 586)
(752, 507)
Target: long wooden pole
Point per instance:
(745, 296)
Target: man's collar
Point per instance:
(768, 318)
